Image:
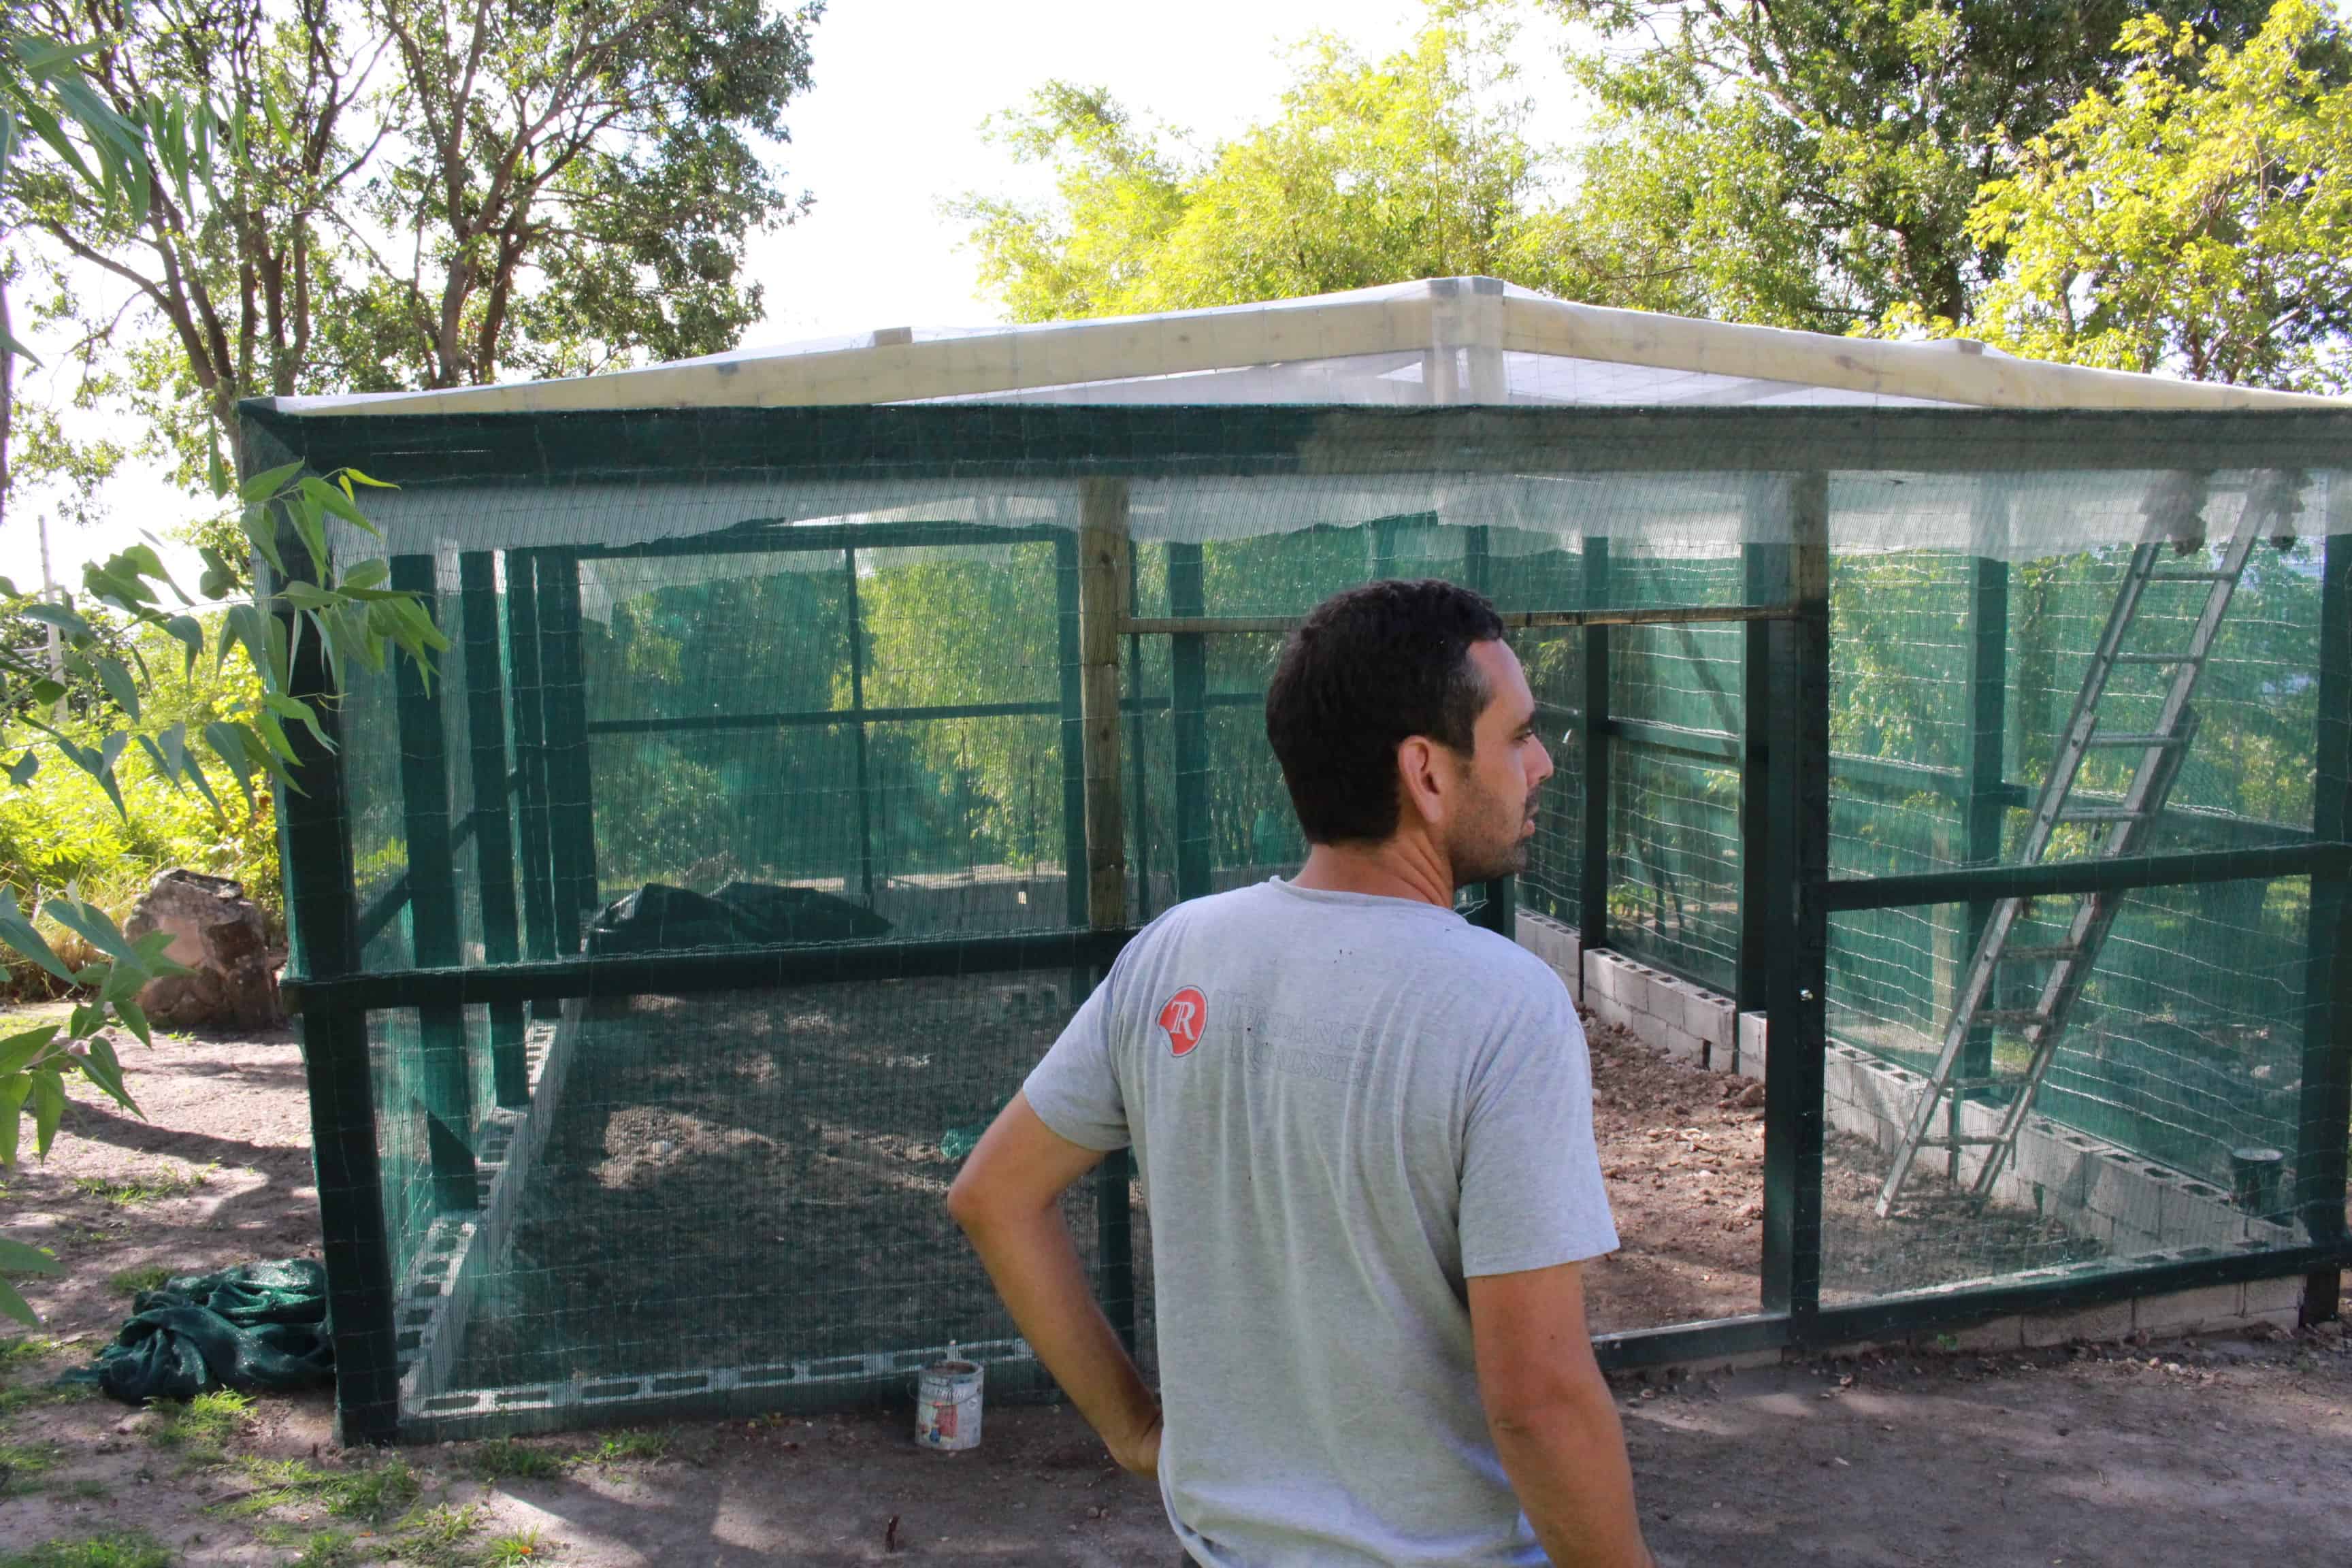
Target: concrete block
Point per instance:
(1709, 1016)
(2265, 1297)
(1679, 1043)
(1999, 1334)
(2111, 1321)
(2183, 1310)
(1753, 1033)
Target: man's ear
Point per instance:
(1422, 783)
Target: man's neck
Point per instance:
(1405, 866)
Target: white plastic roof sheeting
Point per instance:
(1439, 339)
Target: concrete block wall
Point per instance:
(1684, 1020)
(2134, 1206)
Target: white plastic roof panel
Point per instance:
(1436, 341)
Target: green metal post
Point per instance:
(1767, 582)
(321, 914)
(531, 753)
(1986, 802)
(447, 1073)
(1188, 655)
(1593, 876)
(486, 749)
(1074, 775)
(572, 829)
(857, 729)
(2326, 1107)
(1797, 850)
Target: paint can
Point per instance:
(947, 1406)
(2255, 1173)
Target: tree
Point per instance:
(1373, 171)
(367, 195)
(2201, 227)
(1813, 163)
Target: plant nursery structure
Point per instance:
(1972, 736)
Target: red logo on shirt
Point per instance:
(1183, 1018)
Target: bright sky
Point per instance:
(891, 132)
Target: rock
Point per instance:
(221, 936)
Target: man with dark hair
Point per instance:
(1365, 1128)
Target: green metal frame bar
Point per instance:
(1797, 854)
(446, 1071)
(1987, 799)
(1765, 568)
(1074, 767)
(320, 906)
(493, 834)
(529, 689)
(572, 822)
(977, 442)
(697, 971)
(858, 718)
(1187, 656)
(1593, 875)
(786, 538)
(1497, 908)
(2050, 879)
(2324, 1121)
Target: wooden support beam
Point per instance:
(1103, 554)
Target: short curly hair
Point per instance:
(1370, 668)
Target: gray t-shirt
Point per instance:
(1341, 1106)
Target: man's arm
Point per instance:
(1554, 1422)
(1008, 1200)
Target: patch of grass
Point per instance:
(132, 1550)
(505, 1458)
(88, 1488)
(146, 1189)
(515, 1551)
(130, 1281)
(23, 1351)
(634, 1443)
(202, 1426)
(440, 1537)
(373, 1496)
(329, 1549)
(21, 1462)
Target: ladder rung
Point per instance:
(2179, 577)
(2102, 814)
(1971, 1085)
(2167, 658)
(1963, 1142)
(2012, 1017)
(2122, 739)
(2023, 953)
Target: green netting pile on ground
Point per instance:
(252, 1328)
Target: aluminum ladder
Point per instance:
(2173, 518)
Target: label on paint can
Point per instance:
(947, 1406)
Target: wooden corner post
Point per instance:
(1104, 583)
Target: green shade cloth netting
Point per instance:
(254, 1328)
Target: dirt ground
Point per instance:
(2154, 1456)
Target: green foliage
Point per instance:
(634, 1443)
(129, 1550)
(508, 1459)
(1371, 171)
(203, 1428)
(372, 1494)
(2201, 226)
(137, 1190)
(22, 1463)
(1812, 163)
(131, 1281)
(514, 1549)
